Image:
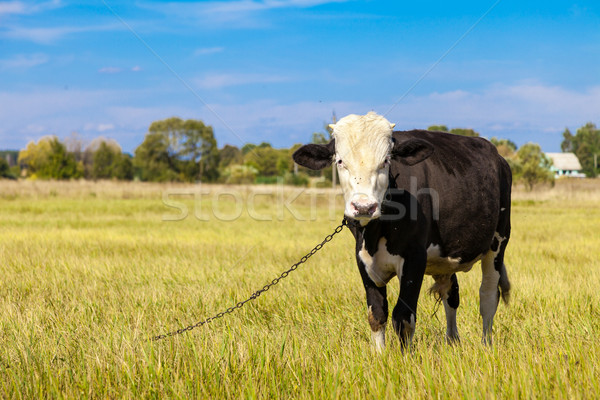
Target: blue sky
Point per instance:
(274, 70)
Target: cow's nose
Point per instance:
(364, 207)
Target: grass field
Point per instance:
(90, 271)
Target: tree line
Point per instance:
(173, 150)
(186, 151)
(586, 146)
(529, 164)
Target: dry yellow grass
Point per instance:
(564, 189)
(89, 271)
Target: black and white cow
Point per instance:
(420, 202)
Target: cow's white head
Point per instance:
(363, 148)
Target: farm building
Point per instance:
(565, 164)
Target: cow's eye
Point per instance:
(340, 163)
(384, 164)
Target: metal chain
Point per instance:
(256, 294)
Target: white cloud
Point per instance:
(36, 129)
(220, 80)
(242, 6)
(98, 127)
(271, 121)
(105, 127)
(21, 7)
(42, 108)
(110, 70)
(208, 50)
(232, 7)
(117, 70)
(232, 14)
(522, 112)
(28, 116)
(12, 7)
(23, 61)
(51, 35)
(578, 11)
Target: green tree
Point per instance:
(5, 170)
(506, 148)
(247, 148)
(35, 155)
(464, 132)
(319, 138)
(567, 145)
(586, 145)
(87, 156)
(104, 160)
(153, 161)
(49, 159)
(504, 142)
(61, 164)
(531, 166)
(455, 131)
(264, 159)
(239, 174)
(284, 161)
(438, 128)
(123, 168)
(191, 147)
(200, 147)
(10, 156)
(229, 155)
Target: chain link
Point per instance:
(256, 294)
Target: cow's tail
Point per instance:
(504, 284)
(504, 225)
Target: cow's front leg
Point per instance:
(404, 316)
(377, 305)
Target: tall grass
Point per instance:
(90, 271)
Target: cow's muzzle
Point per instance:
(363, 208)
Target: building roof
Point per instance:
(565, 161)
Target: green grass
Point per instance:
(89, 274)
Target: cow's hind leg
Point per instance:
(494, 282)
(489, 294)
(445, 289)
(451, 304)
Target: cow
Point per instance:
(420, 202)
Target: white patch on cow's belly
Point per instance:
(438, 265)
(382, 266)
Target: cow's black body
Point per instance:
(457, 199)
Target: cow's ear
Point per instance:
(411, 152)
(315, 156)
